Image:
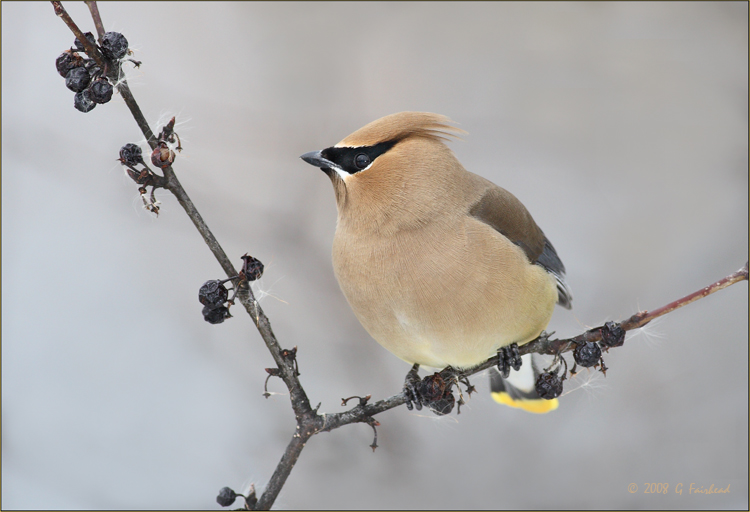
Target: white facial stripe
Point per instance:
(344, 175)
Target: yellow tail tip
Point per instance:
(538, 406)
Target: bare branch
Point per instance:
(309, 422)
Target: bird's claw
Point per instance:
(411, 388)
(508, 358)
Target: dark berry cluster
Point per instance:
(215, 296)
(588, 354)
(83, 76)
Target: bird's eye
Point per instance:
(362, 161)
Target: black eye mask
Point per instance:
(353, 160)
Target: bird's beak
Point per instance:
(316, 158)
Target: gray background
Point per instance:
(622, 127)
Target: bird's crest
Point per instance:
(400, 126)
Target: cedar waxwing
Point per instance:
(441, 266)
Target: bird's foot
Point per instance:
(411, 388)
(509, 358)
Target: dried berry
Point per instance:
(252, 268)
(213, 294)
(444, 405)
(162, 156)
(82, 101)
(215, 315)
(226, 497)
(613, 335)
(587, 354)
(66, 61)
(79, 46)
(77, 79)
(433, 387)
(114, 45)
(93, 69)
(131, 154)
(549, 385)
(100, 91)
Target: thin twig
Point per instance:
(94, 9)
(91, 50)
(122, 87)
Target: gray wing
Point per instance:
(502, 211)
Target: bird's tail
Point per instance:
(519, 389)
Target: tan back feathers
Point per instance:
(402, 125)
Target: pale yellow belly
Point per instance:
(454, 302)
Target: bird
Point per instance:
(441, 266)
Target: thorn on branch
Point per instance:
(362, 400)
(168, 134)
(272, 372)
(602, 367)
(373, 423)
(469, 390)
(291, 355)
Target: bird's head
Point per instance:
(393, 164)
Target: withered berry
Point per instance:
(93, 69)
(82, 101)
(444, 405)
(215, 315)
(67, 61)
(77, 79)
(213, 293)
(114, 45)
(162, 156)
(100, 91)
(252, 267)
(549, 385)
(79, 45)
(131, 154)
(587, 354)
(613, 335)
(226, 497)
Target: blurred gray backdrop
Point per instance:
(623, 127)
